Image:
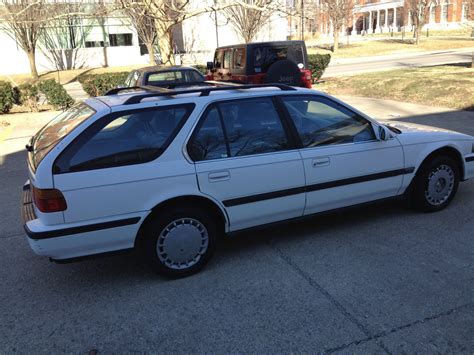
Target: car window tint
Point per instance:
(131, 138)
(193, 77)
(321, 121)
(239, 58)
(227, 58)
(264, 57)
(169, 76)
(209, 143)
(253, 127)
(218, 59)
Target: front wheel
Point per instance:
(435, 184)
(179, 243)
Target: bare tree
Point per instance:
(247, 22)
(419, 10)
(339, 12)
(64, 34)
(144, 23)
(24, 21)
(168, 14)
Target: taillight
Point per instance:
(49, 200)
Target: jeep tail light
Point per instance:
(49, 200)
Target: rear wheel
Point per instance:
(180, 242)
(435, 184)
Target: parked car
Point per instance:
(165, 77)
(284, 62)
(169, 171)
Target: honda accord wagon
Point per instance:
(169, 171)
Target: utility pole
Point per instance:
(302, 20)
(217, 30)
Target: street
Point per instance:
(374, 279)
(339, 67)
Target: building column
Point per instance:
(395, 27)
(370, 26)
(377, 28)
(354, 30)
(385, 22)
(409, 18)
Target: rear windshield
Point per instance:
(58, 128)
(265, 56)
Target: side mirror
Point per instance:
(210, 65)
(384, 133)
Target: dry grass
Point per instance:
(65, 76)
(394, 46)
(445, 86)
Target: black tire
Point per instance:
(420, 197)
(157, 225)
(284, 72)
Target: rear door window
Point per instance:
(227, 58)
(239, 58)
(124, 138)
(218, 59)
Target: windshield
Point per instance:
(58, 128)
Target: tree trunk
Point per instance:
(335, 46)
(417, 34)
(165, 42)
(31, 58)
(151, 53)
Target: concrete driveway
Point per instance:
(380, 279)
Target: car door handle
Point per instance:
(324, 161)
(219, 176)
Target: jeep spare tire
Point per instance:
(284, 72)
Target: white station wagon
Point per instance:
(167, 172)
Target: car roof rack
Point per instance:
(115, 91)
(204, 91)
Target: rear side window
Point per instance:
(51, 134)
(239, 58)
(124, 138)
(227, 58)
(239, 128)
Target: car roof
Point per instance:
(119, 100)
(163, 68)
(260, 44)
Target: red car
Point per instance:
(284, 62)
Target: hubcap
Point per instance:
(182, 243)
(440, 185)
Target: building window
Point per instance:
(121, 39)
(92, 44)
(444, 13)
(432, 14)
(464, 12)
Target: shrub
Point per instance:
(99, 84)
(55, 94)
(7, 96)
(28, 96)
(318, 63)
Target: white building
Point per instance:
(196, 38)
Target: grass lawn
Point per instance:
(66, 76)
(444, 85)
(394, 46)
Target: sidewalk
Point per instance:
(75, 90)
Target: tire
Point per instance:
(173, 252)
(435, 184)
(284, 72)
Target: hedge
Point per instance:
(99, 84)
(28, 95)
(7, 97)
(318, 63)
(55, 94)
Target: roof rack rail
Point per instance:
(115, 91)
(204, 91)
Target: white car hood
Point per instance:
(416, 133)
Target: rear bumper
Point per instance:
(73, 240)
